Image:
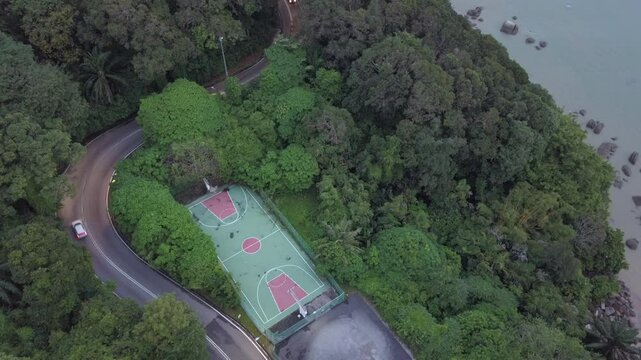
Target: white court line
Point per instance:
(265, 212)
(299, 254)
(285, 235)
(258, 288)
(241, 251)
(239, 216)
(266, 283)
(287, 238)
(292, 305)
(315, 278)
(252, 305)
(203, 200)
(221, 222)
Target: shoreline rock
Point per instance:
(627, 171)
(598, 127)
(509, 27)
(633, 158)
(607, 149)
(618, 306)
(633, 244)
(475, 13)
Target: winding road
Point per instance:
(112, 258)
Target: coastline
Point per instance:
(588, 64)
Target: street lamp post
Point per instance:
(223, 51)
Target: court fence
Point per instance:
(277, 337)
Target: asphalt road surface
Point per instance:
(113, 260)
(350, 331)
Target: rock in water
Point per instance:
(618, 183)
(543, 44)
(633, 158)
(582, 111)
(591, 124)
(632, 243)
(626, 170)
(529, 40)
(636, 200)
(514, 17)
(509, 27)
(607, 149)
(598, 127)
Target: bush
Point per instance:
(164, 233)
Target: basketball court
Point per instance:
(275, 277)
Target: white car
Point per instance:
(79, 229)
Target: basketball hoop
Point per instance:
(301, 309)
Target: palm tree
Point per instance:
(102, 74)
(614, 339)
(344, 234)
(6, 287)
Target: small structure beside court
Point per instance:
(268, 261)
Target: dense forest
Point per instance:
(417, 159)
(67, 70)
(424, 169)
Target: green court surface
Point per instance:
(273, 274)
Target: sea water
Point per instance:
(592, 61)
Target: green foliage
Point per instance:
(43, 92)
(538, 341)
(164, 233)
(168, 330)
(49, 26)
(482, 336)
(290, 108)
(402, 210)
(414, 253)
(298, 168)
(155, 52)
(398, 77)
(343, 263)
(329, 84)
(330, 134)
(285, 69)
(101, 75)
(239, 154)
(147, 163)
(183, 111)
(189, 162)
(233, 90)
(344, 197)
(603, 287)
(30, 160)
(8, 290)
(546, 302)
(614, 339)
(104, 330)
(50, 299)
(574, 171)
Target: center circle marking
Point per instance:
(251, 245)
